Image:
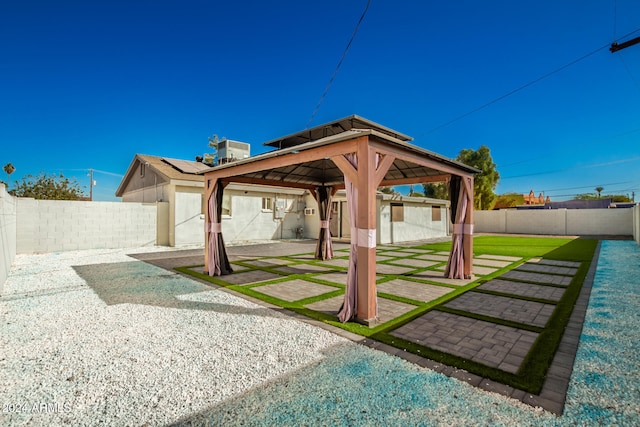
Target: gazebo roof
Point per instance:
(308, 164)
(333, 128)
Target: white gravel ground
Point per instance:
(68, 358)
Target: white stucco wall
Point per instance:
(417, 224)
(188, 216)
(248, 221)
(7, 233)
(636, 223)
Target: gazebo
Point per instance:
(357, 155)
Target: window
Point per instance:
(397, 212)
(267, 204)
(226, 205)
(436, 213)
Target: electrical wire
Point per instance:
(526, 85)
(335, 72)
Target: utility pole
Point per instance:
(616, 47)
(91, 185)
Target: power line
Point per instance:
(526, 85)
(614, 162)
(586, 186)
(335, 72)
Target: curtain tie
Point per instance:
(324, 224)
(367, 237)
(213, 227)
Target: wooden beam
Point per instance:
(383, 168)
(345, 167)
(269, 182)
(419, 159)
(416, 180)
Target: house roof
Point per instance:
(333, 128)
(170, 169)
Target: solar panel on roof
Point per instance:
(186, 166)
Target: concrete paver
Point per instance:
(413, 262)
(413, 290)
(294, 290)
(545, 268)
(249, 277)
(500, 257)
(538, 277)
(512, 309)
(530, 290)
(477, 270)
(301, 269)
(493, 345)
(438, 277)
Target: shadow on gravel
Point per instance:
(141, 283)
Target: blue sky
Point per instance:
(88, 84)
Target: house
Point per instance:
(255, 212)
(250, 212)
(531, 199)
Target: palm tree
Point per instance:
(599, 190)
(9, 169)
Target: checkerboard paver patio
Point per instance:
(387, 309)
(560, 263)
(545, 268)
(500, 257)
(294, 290)
(498, 346)
(301, 269)
(249, 277)
(413, 290)
(537, 277)
(479, 270)
(490, 262)
(516, 310)
(530, 290)
(434, 257)
(268, 262)
(413, 262)
(438, 277)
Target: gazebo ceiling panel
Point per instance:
(325, 172)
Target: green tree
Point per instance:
(484, 182)
(599, 190)
(387, 190)
(211, 159)
(438, 190)
(50, 187)
(508, 200)
(618, 198)
(9, 169)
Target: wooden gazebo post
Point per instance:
(367, 309)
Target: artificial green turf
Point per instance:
(532, 373)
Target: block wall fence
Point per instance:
(7, 233)
(35, 226)
(564, 222)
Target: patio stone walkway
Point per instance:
(493, 345)
(521, 301)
